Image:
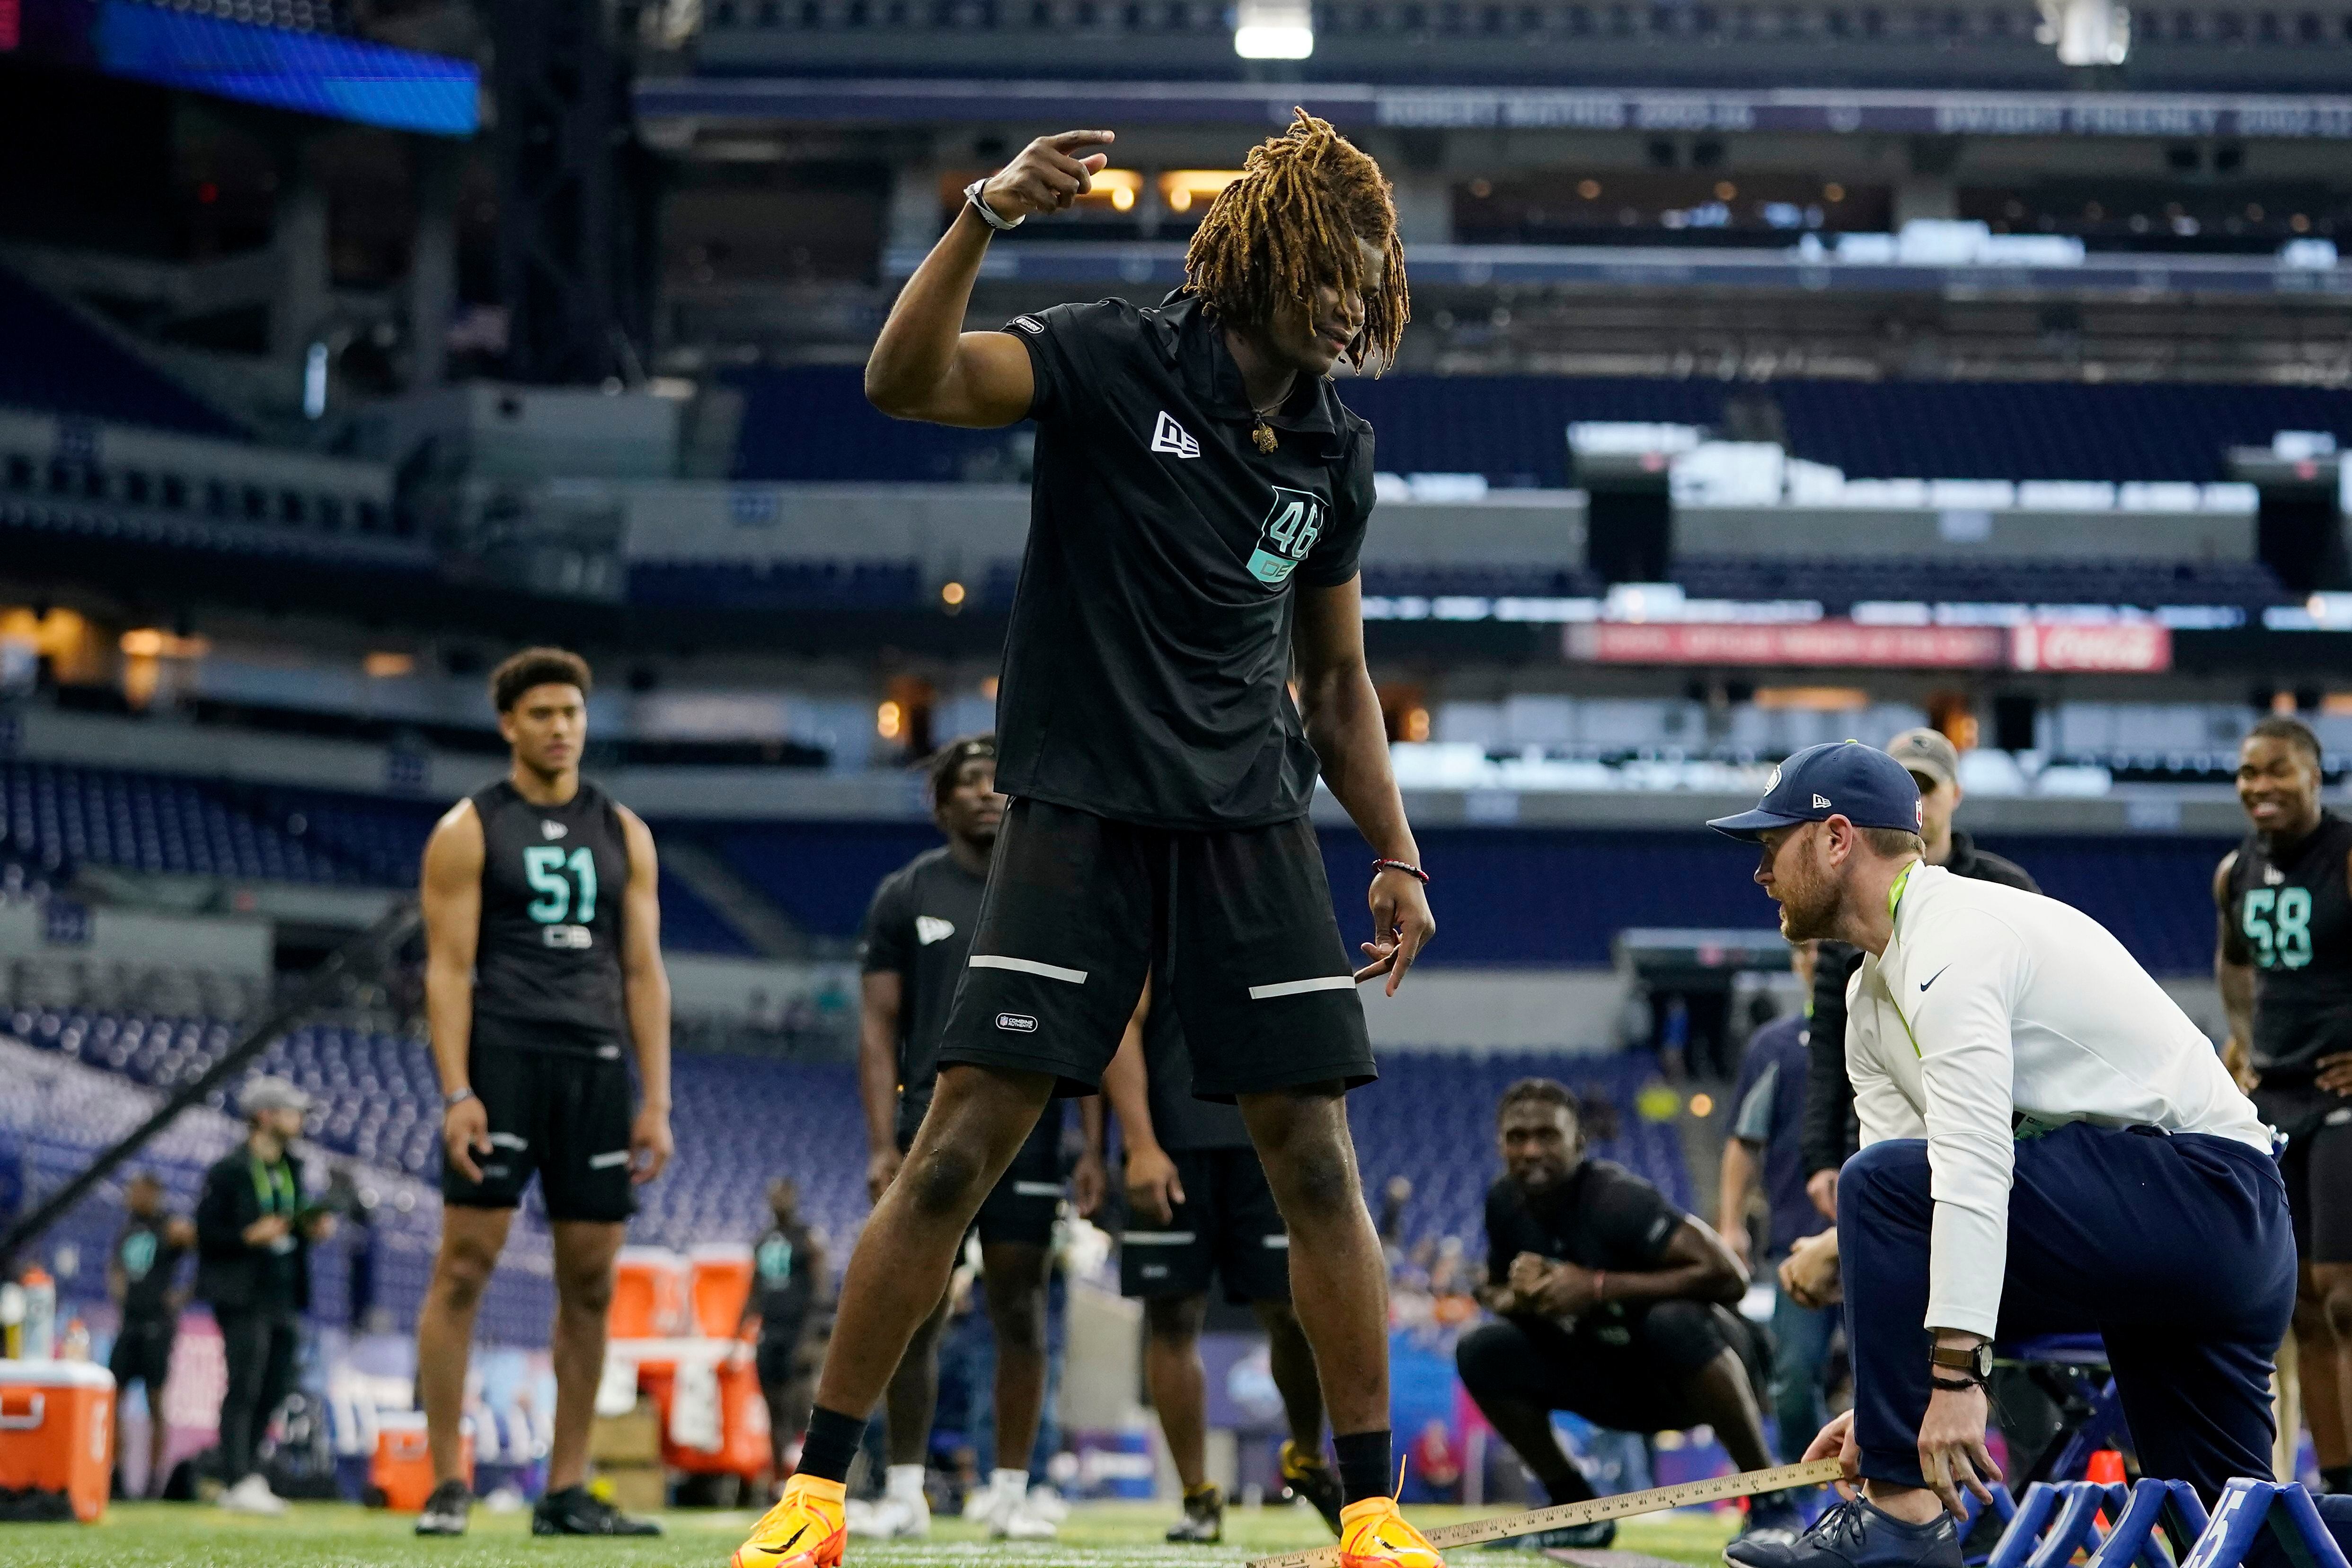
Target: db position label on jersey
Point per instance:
(1291, 528)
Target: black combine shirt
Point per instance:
(2290, 917)
(1601, 1216)
(547, 967)
(149, 1261)
(1146, 668)
(919, 928)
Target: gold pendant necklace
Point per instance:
(1263, 433)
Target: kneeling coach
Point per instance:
(2049, 1145)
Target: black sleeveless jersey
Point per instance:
(547, 965)
(2291, 919)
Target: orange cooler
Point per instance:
(649, 1294)
(402, 1467)
(57, 1430)
(720, 1283)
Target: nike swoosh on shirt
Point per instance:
(1933, 979)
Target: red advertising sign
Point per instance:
(2124, 648)
(2131, 647)
(1815, 644)
(11, 18)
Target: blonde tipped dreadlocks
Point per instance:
(1289, 224)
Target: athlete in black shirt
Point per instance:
(2284, 965)
(1200, 501)
(1614, 1304)
(918, 937)
(542, 972)
(1198, 1205)
(787, 1270)
(142, 1277)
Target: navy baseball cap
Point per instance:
(1837, 779)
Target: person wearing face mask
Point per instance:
(1200, 504)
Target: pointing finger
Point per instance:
(1069, 139)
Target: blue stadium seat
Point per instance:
(57, 363)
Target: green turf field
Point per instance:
(323, 1535)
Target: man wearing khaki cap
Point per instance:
(254, 1230)
(1933, 763)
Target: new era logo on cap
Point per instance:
(1842, 777)
(1167, 436)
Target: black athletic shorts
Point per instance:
(562, 1113)
(2317, 1165)
(1227, 1226)
(143, 1354)
(1022, 1205)
(1238, 925)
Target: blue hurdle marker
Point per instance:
(2248, 1506)
(2055, 1519)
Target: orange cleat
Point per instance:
(1373, 1534)
(806, 1529)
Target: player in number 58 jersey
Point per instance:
(2285, 972)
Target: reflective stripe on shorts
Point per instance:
(1027, 967)
(606, 1162)
(1036, 1190)
(1160, 1237)
(1297, 987)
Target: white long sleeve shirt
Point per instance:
(1991, 1002)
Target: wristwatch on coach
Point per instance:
(1970, 1367)
(988, 213)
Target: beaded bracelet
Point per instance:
(1407, 867)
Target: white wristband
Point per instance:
(988, 213)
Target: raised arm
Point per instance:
(925, 365)
(644, 991)
(1342, 714)
(451, 891)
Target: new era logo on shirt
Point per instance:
(548, 829)
(930, 928)
(1167, 436)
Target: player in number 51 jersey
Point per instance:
(542, 977)
(2285, 972)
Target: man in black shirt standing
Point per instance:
(140, 1277)
(543, 971)
(1933, 763)
(918, 938)
(254, 1232)
(2283, 959)
(787, 1270)
(1200, 503)
(1614, 1304)
(1198, 1205)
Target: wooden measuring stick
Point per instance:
(1657, 1500)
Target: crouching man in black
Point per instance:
(1614, 1304)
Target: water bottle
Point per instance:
(75, 1346)
(40, 1341)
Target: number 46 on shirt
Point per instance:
(1291, 528)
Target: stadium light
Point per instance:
(2086, 32)
(1274, 30)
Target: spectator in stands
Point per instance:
(788, 1265)
(142, 1280)
(1613, 1305)
(254, 1233)
(1768, 1121)
(1830, 1133)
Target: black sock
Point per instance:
(2336, 1479)
(832, 1442)
(1363, 1464)
(1570, 1488)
